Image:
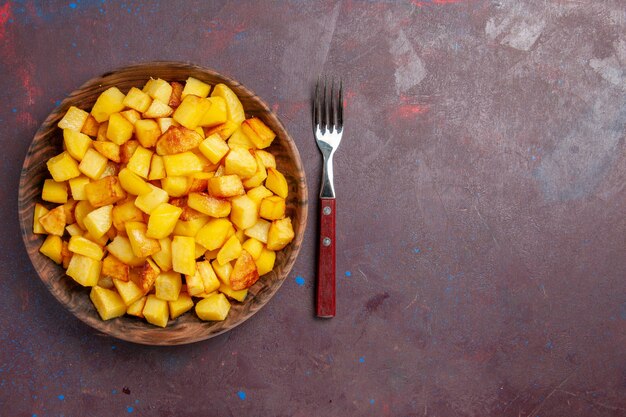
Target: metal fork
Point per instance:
(328, 128)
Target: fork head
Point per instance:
(328, 114)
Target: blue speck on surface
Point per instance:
(372, 401)
(57, 103)
(416, 250)
(14, 110)
(61, 397)
(114, 392)
(448, 290)
(307, 372)
(549, 345)
(361, 359)
(72, 5)
(533, 158)
(348, 273)
(113, 347)
(74, 44)
(136, 401)
(299, 280)
(240, 36)
(130, 409)
(34, 415)
(241, 395)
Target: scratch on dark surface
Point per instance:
(555, 389)
(445, 210)
(596, 403)
(375, 302)
(412, 301)
(362, 273)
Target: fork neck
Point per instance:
(327, 188)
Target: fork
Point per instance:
(328, 128)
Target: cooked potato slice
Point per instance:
(133, 183)
(52, 247)
(142, 245)
(84, 270)
(147, 132)
(119, 130)
(128, 290)
(158, 89)
(226, 186)
(108, 149)
(104, 192)
(245, 272)
(54, 192)
(183, 255)
(163, 220)
(181, 305)
(53, 222)
(148, 275)
(114, 268)
(204, 203)
(265, 261)
(168, 285)
(214, 233)
(213, 308)
(86, 247)
(108, 303)
(63, 167)
(76, 143)
(217, 113)
(137, 99)
(74, 119)
(99, 221)
(109, 102)
(196, 87)
(91, 127)
(261, 135)
(177, 139)
(276, 182)
(280, 234)
(176, 96)
(156, 311)
(234, 109)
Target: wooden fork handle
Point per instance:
(326, 260)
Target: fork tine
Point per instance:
(324, 108)
(340, 107)
(332, 121)
(316, 104)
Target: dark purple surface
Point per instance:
(481, 226)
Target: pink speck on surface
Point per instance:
(348, 96)
(5, 15)
(408, 110)
(221, 35)
(25, 118)
(32, 91)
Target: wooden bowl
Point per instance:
(187, 328)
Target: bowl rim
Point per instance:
(26, 227)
